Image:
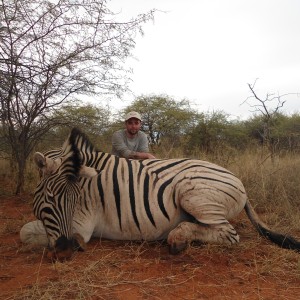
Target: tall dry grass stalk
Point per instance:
(273, 186)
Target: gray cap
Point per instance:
(133, 114)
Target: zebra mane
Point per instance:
(81, 147)
(73, 160)
(81, 140)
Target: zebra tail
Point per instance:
(283, 241)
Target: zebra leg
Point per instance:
(209, 225)
(186, 232)
(34, 233)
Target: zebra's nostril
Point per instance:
(62, 244)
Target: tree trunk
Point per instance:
(20, 176)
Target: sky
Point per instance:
(207, 51)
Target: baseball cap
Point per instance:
(133, 114)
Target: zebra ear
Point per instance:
(39, 160)
(87, 172)
(46, 165)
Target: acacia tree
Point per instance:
(50, 51)
(94, 120)
(210, 133)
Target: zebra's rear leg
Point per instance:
(187, 232)
(208, 220)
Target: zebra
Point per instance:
(86, 193)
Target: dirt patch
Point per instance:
(254, 269)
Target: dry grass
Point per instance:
(112, 270)
(113, 274)
(273, 187)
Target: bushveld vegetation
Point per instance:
(177, 130)
(52, 52)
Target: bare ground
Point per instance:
(253, 269)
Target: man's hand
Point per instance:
(141, 155)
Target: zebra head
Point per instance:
(56, 196)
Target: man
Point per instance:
(131, 142)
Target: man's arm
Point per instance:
(140, 155)
(143, 148)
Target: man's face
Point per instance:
(133, 125)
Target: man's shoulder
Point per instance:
(142, 134)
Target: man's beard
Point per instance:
(133, 132)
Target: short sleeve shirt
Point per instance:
(123, 146)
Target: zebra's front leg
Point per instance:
(187, 232)
(34, 233)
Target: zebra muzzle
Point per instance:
(65, 248)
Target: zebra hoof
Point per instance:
(176, 248)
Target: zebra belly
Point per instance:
(147, 232)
